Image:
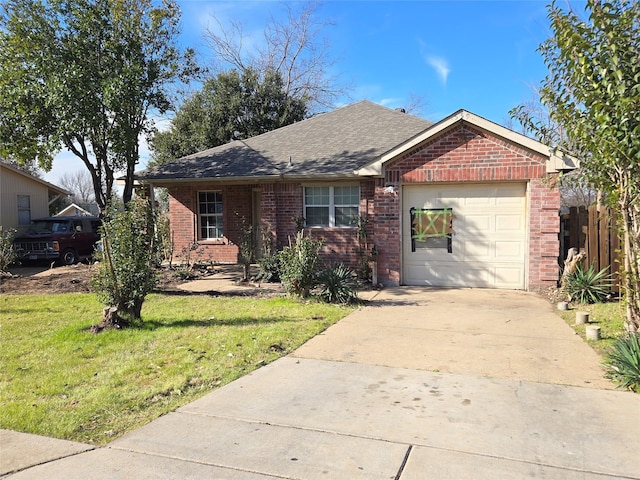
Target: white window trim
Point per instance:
(332, 205)
(200, 215)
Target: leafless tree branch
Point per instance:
(295, 48)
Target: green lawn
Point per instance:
(59, 380)
(609, 316)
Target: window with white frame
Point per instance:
(24, 209)
(326, 206)
(210, 215)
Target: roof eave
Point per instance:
(160, 182)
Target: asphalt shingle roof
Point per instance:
(330, 144)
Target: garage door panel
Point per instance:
(449, 275)
(488, 243)
(471, 223)
(472, 201)
(505, 277)
(508, 251)
(509, 223)
(508, 200)
(476, 250)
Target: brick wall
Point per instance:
(183, 205)
(280, 204)
(463, 154)
(466, 154)
(544, 244)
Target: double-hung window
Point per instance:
(326, 206)
(210, 215)
(24, 209)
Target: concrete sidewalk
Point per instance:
(423, 383)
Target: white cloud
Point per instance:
(441, 66)
(389, 102)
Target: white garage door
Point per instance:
(464, 235)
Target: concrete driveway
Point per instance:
(491, 333)
(421, 384)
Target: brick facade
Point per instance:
(280, 204)
(183, 217)
(462, 154)
(466, 154)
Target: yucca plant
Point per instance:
(338, 285)
(623, 362)
(588, 286)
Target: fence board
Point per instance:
(594, 232)
(574, 227)
(592, 241)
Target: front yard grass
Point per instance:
(608, 316)
(59, 380)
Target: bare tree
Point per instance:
(416, 104)
(541, 113)
(80, 185)
(576, 191)
(575, 188)
(295, 48)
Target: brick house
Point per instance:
(461, 203)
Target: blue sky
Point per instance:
(477, 55)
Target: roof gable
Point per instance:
(22, 173)
(554, 162)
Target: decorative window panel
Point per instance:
(431, 228)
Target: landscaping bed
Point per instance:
(35, 279)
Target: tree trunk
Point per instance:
(631, 280)
(110, 319)
(133, 311)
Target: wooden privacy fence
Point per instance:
(595, 232)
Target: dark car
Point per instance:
(64, 239)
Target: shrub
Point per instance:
(297, 264)
(164, 239)
(268, 268)
(7, 253)
(245, 246)
(623, 362)
(126, 273)
(588, 286)
(268, 262)
(338, 285)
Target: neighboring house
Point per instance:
(24, 197)
(74, 210)
(462, 203)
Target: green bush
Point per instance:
(268, 261)
(7, 253)
(338, 285)
(623, 362)
(588, 286)
(164, 239)
(126, 273)
(298, 264)
(268, 268)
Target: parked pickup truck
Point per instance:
(64, 239)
